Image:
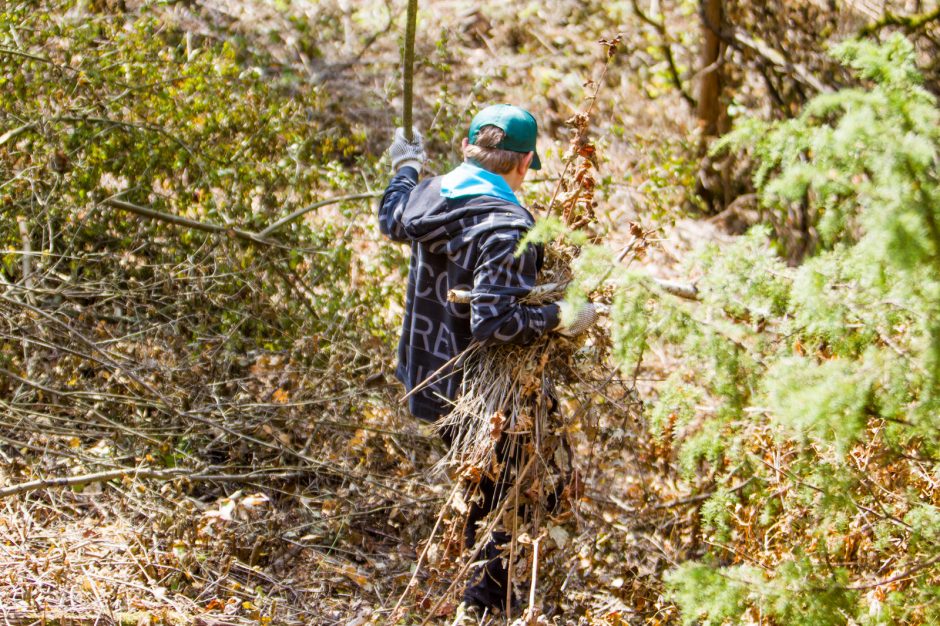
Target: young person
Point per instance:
(464, 228)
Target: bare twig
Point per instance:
(145, 473)
(27, 256)
(905, 574)
(424, 552)
(666, 47)
(27, 55)
(87, 479)
(13, 133)
(183, 221)
(299, 212)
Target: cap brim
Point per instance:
(536, 161)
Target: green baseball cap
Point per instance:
(519, 125)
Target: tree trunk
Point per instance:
(709, 88)
(712, 185)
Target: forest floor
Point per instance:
(288, 545)
(282, 548)
(327, 528)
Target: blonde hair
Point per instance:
(485, 153)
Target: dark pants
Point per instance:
(488, 585)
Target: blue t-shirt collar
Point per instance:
(469, 179)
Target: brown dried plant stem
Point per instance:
(593, 98)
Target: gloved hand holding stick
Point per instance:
(407, 152)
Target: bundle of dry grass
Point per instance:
(507, 391)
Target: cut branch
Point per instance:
(316, 205)
(87, 479)
(139, 473)
(184, 221)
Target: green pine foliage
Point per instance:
(727, 593)
(806, 398)
(840, 358)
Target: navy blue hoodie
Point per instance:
(458, 243)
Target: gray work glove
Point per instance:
(404, 152)
(582, 319)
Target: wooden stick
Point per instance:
(409, 70)
(464, 296)
(534, 612)
(681, 290)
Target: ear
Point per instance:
(463, 145)
(524, 164)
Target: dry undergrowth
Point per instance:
(289, 494)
